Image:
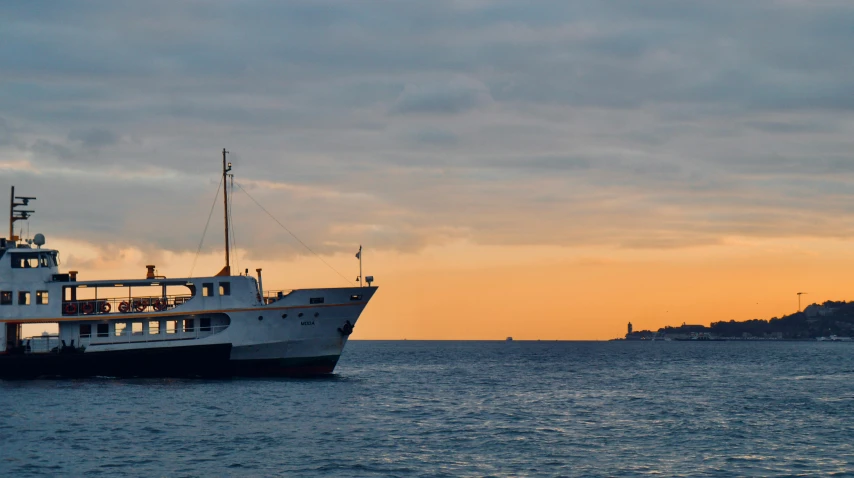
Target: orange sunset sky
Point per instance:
(546, 170)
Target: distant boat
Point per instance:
(509, 339)
(834, 338)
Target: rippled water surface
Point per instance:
(459, 408)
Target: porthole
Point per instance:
(284, 316)
(300, 314)
(260, 317)
(317, 314)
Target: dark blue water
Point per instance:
(459, 409)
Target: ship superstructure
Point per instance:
(221, 325)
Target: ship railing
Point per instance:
(129, 336)
(122, 305)
(271, 296)
(40, 344)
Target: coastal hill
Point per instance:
(817, 320)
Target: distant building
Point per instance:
(684, 331)
(813, 311)
(640, 334)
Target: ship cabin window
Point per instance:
(205, 324)
(171, 326)
(315, 300)
(120, 328)
(41, 297)
(23, 298)
(6, 297)
(85, 331)
(207, 290)
(356, 297)
(154, 327)
(136, 328)
(225, 288)
(103, 330)
(189, 325)
(25, 260)
(33, 260)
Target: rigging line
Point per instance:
(233, 228)
(206, 230)
(231, 222)
(292, 234)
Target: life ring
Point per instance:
(87, 308)
(124, 307)
(139, 305)
(159, 305)
(106, 307)
(70, 308)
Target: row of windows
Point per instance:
(32, 260)
(208, 289)
(154, 328)
(24, 297)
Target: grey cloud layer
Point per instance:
(400, 124)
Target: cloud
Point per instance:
(8, 136)
(445, 98)
(553, 163)
(94, 138)
(655, 124)
(435, 137)
(43, 147)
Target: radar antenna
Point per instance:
(18, 214)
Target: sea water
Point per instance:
(459, 409)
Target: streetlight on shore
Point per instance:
(799, 300)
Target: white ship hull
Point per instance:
(220, 325)
(301, 332)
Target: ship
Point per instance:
(217, 326)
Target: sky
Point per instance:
(542, 170)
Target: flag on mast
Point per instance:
(359, 254)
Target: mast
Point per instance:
(19, 215)
(12, 215)
(226, 167)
